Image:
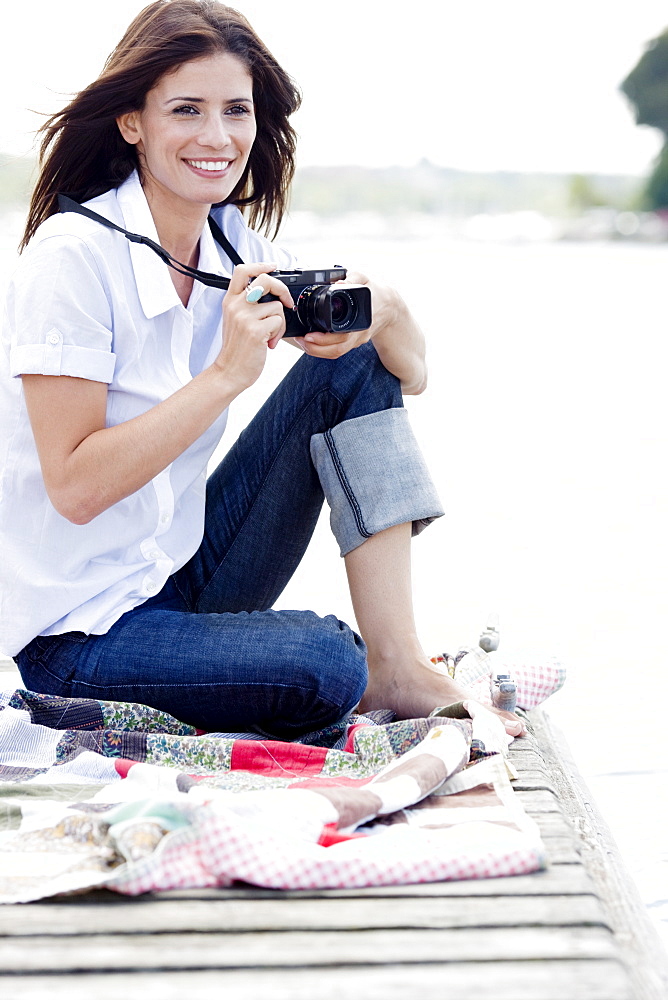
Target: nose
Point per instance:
(214, 132)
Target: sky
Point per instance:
(473, 84)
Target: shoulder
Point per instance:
(68, 243)
(250, 245)
(74, 236)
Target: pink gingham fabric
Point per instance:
(535, 680)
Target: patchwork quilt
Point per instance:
(115, 795)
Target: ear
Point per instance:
(128, 126)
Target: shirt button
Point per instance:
(164, 518)
(154, 554)
(150, 587)
(53, 338)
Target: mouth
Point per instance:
(209, 168)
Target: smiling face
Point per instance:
(194, 134)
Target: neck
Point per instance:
(179, 223)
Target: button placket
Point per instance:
(151, 547)
(182, 338)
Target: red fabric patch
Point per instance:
(330, 835)
(286, 760)
(350, 737)
(123, 765)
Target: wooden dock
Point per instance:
(574, 932)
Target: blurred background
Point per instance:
(504, 166)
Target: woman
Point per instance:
(128, 576)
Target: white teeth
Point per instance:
(208, 164)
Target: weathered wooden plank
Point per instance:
(638, 941)
(322, 948)
(561, 851)
(525, 744)
(549, 980)
(554, 823)
(528, 757)
(561, 880)
(530, 779)
(254, 914)
(539, 800)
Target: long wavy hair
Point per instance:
(83, 154)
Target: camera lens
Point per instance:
(320, 307)
(344, 310)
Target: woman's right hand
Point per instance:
(250, 328)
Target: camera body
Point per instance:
(322, 306)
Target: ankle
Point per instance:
(396, 653)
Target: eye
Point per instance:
(185, 110)
(238, 110)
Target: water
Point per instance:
(545, 428)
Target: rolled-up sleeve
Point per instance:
(59, 313)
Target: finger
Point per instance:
(267, 310)
(353, 278)
(325, 339)
(264, 285)
(337, 351)
(244, 273)
(274, 286)
(278, 329)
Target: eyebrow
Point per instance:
(202, 100)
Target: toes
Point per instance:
(514, 727)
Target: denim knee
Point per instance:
(327, 657)
(343, 671)
(360, 378)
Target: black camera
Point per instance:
(321, 307)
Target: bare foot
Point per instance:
(414, 692)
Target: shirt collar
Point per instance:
(155, 287)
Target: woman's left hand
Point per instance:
(396, 336)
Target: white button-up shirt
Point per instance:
(86, 302)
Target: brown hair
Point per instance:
(83, 154)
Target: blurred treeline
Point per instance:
(425, 188)
(443, 191)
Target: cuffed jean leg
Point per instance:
(374, 476)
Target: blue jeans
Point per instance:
(208, 649)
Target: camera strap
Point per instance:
(67, 204)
